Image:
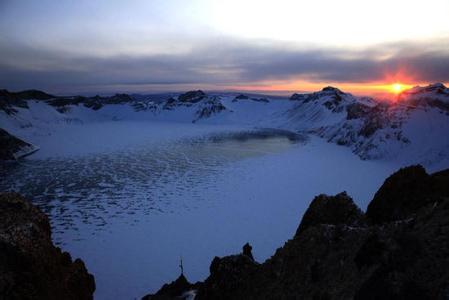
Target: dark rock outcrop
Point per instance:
(405, 193)
(12, 148)
(10, 101)
(192, 96)
(31, 267)
(240, 97)
(34, 94)
(331, 210)
(398, 250)
(208, 108)
(178, 289)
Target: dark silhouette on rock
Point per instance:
(247, 250)
(399, 249)
(31, 267)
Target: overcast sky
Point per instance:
(145, 46)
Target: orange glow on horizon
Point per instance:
(398, 88)
(382, 89)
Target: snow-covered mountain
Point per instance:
(413, 127)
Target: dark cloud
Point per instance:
(226, 63)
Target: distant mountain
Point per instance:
(414, 126)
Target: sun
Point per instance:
(397, 88)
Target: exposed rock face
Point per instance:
(339, 253)
(245, 97)
(405, 192)
(240, 97)
(12, 148)
(209, 108)
(333, 210)
(192, 96)
(30, 266)
(10, 101)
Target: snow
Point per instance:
(256, 196)
(131, 191)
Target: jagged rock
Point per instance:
(8, 102)
(178, 289)
(332, 210)
(404, 193)
(337, 255)
(225, 273)
(240, 97)
(208, 108)
(169, 104)
(31, 267)
(192, 96)
(12, 148)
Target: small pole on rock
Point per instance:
(181, 266)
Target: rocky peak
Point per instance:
(434, 95)
(192, 96)
(8, 102)
(34, 95)
(331, 89)
(331, 210)
(404, 193)
(241, 97)
(119, 98)
(435, 87)
(298, 97)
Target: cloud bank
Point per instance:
(219, 63)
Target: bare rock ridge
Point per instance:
(398, 249)
(12, 148)
(31, 267)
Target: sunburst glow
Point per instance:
(398, 88)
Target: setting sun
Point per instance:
(397, 88)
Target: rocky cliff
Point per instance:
(398, 249)
(31, 267)
(12, 148)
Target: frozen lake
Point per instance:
(130, 198)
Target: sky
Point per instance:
(107, 46)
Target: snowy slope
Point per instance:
(412, 129)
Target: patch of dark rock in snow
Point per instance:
(209, 107)
(192, 96)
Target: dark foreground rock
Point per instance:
(399, 249)
(181, 288)
(31, 267)
(12, 148)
